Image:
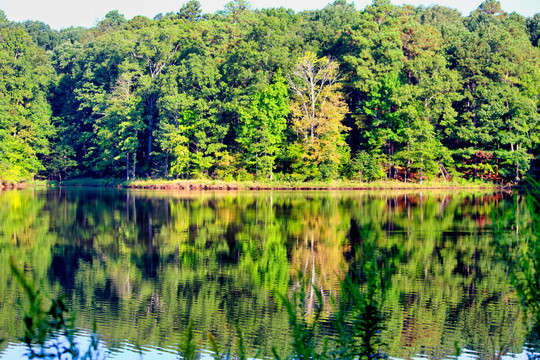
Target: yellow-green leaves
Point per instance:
(318, 110)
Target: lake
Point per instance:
(140, 264)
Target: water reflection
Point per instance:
(142, 263)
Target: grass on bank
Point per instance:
(23, 184)
(254, 185)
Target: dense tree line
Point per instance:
(399, 92)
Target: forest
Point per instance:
(387, 92)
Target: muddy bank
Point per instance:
(257, 187)
(293, 188)
(5, 186)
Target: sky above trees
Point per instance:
(65, 13)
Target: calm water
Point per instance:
(142, 263)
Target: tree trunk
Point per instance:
(150, 125)
(134, 161)
(408, 157)
(442, 172)
(517, 165)
(151, 103)
(475, 166)
(167, 165)
(421, 170)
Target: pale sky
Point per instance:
(64, 13)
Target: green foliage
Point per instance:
(174, 142)
(518, 239)
(533, 28)
(367, 167)
(193, 95)
(241, 353)
(50, 333)
(214, 347)
(3, 18)
(191, 11)
(112, 19)
(188, 346)
(263, 124)
(25, 114)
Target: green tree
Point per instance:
(25, 114)
(235, 8)
(3, 18)
(381, 121)
(191, 11)
(439, 16)
(426, 100)
(154, 50)
(117, 131)
(112, 20)
(263, 124)
(533, 28)
(372, 64)
(42, 34)
(175, 125)
(490, 119)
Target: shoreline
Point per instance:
(216, 185)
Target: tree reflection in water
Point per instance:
(143, 263)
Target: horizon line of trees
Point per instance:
(397, 92)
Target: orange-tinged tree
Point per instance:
(318, 110)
